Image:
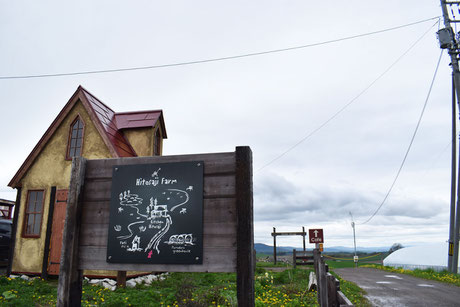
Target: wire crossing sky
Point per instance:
(410, 144)
(348, 104)
(49, 75)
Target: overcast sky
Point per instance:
(268, 102)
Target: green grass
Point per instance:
(263, 255)
(346, 261)
(443, 276)
(286, 288)
(354, 293)
(272, 265)
(18, 292)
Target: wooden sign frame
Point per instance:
(228, 234)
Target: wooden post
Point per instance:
(294, 258)
(70, 277)
(14, 231)
(49, 224)
(245, 230)
(274, 245)
(303, 230)
(254, 260)
(121, 279)
(321, 278)
(332, 289)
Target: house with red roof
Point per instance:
(84, 127)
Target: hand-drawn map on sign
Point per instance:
(156, 214)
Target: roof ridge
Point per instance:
(92, 95)
(137, 112)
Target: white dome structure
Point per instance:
(430, 256)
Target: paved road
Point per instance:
(397, 290)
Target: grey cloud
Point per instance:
(277, 198)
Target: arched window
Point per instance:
(75, 138)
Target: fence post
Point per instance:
(321, 278)
(245, 230)
(332, 290)
(294, 258)
(70, 277)
(274, 245)
(121, 279)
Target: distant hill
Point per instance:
(267, 249)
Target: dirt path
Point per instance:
(392, 289)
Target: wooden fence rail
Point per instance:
(302, 258)
(329, 294)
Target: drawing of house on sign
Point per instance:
(154, 210)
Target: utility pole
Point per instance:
(355, 259)
(448, 40)
(453, 187)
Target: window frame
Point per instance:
(26, 215)
(157, 142)
(69, 139)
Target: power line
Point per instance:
(47, 75)
(410, 143)
(347, 105)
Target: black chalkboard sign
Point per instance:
(156, 214)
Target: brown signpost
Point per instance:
(315, 235)
(228, 235)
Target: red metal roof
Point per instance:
(137, 119)
(106, 117)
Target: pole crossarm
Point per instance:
(289, 233)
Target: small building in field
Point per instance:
(6, 209)
(85, 127)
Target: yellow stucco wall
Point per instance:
(143, 140)
(51, 169)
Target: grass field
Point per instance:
(178, 289)
(346, 261)
(336, 260)
(286, 288)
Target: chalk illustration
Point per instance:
(135, 245)
(182, 239)
(155, 173)
(156, 214)
(130, 200)
(156, 217)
